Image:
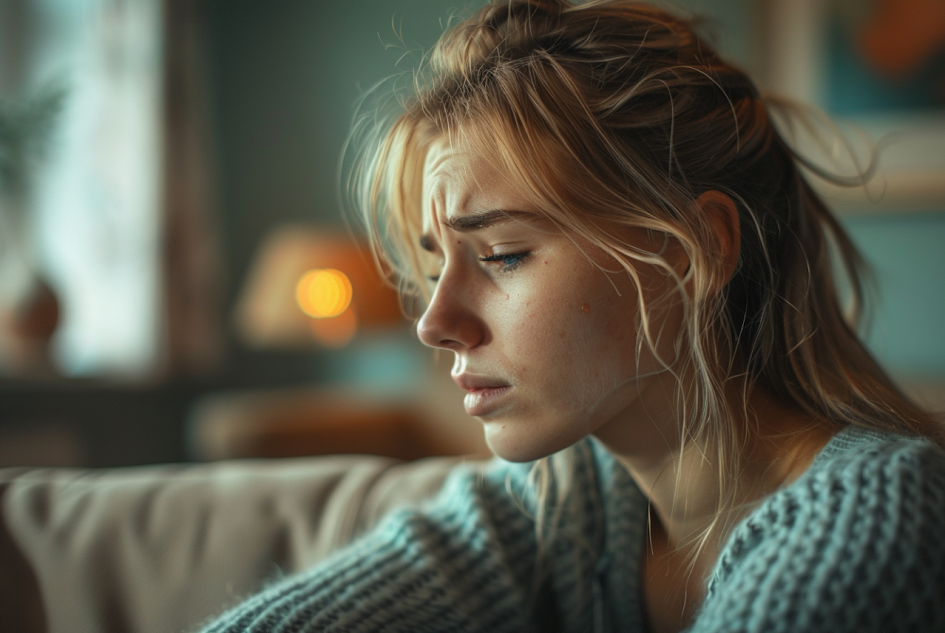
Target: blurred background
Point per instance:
(176, 281)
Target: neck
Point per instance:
(683, 480)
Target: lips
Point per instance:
(484, 395)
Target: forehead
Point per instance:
(446, 180)
(458, 181)
(445, 163)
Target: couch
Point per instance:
(165, 548)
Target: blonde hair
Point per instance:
(614, 113)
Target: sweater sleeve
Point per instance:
(462, 564)
(856, 544)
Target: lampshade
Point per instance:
(310, 287)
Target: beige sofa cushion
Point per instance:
(160, 549)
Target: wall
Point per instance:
(286, 76)
(907, 252)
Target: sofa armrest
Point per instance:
(21, 606)
(164, 548)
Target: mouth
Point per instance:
(482, 402)
(483, 395)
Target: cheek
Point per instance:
(535, 328)
(571, 324)
(582, 336)
(604, 336)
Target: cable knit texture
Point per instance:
(857, 543)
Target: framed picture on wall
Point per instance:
(877, 68)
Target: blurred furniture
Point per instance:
(329, 420)
(93, 423)
(158, 549)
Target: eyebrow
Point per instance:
(474, 222)
(479, 221)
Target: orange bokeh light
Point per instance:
(336, 332)
(324, 293)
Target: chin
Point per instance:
(516, 442)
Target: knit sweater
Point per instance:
(857, 543)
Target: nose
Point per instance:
(451, 320)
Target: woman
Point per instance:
(614, 242)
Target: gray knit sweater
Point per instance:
(855, 544)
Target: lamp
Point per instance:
(310, 287)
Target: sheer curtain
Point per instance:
(123, 214)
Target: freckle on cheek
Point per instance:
(586, 308)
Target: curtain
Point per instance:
(120, 224)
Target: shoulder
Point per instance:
(853, 545)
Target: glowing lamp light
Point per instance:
(296, 295)
(323, 294)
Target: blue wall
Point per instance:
(907, 252)
(285, 77)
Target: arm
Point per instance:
(464, 564)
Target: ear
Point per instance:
(722, 214)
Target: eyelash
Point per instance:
(510, 261)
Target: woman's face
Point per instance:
(543, 326)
